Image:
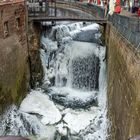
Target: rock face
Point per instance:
(123, 86)
(14, 73)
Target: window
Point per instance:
(17, 23)
(6, 29)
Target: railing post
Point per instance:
(55, 9)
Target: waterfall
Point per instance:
(71, 103)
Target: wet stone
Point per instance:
(74, 102)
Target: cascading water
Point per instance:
(71, 103)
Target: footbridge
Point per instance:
(64, 11)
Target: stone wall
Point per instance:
(34, 34)
(14, 70)
(123, 66)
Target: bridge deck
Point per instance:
(40, 19)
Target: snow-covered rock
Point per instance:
(73, 98)
(39, 103)
(77, 121)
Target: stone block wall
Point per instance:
(34, 35)
(14, 70)
(123, 66)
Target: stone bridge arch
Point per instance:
(93, 10)
(44, 11)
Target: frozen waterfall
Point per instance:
(71, 104)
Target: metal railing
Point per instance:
(45, 9)
(129, 27)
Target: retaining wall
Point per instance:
(14, 70)
(123, 67)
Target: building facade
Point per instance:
(13, 52)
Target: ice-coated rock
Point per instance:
(39, 103)
(72, 98)
(77, 121)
